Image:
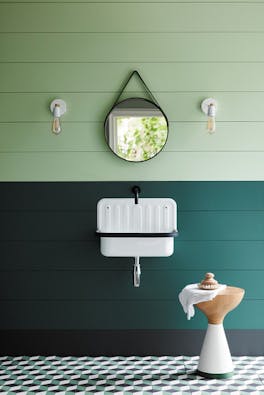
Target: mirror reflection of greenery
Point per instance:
(140, 138)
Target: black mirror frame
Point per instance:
(149, 101)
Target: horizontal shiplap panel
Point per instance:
(104, 166)
(238, 225)
(132, 47)
(34, 137)
(81, 225)
(129, 17)
(62, 256)
(89, 137)
(48, 225)
(94, 107)
(116, 285)
(119, 315)
(96, 77)
(132, 1)
(84, 196)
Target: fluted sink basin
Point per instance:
(144, 229)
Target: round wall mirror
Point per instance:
(136, 129)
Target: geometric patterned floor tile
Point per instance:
(245, 380)
(124, 375)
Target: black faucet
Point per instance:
(136, 190)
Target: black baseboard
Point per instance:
(122, 342)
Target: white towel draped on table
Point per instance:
(192, 294)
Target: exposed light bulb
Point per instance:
(56, 127)
(57, 108)
(211, 118)
(209, 108)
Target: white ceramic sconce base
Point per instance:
(206, 103)
(61, 103)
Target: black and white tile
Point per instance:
(124, 375)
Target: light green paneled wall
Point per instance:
(83, 51)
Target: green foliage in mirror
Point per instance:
(136, 129)
(140, 138)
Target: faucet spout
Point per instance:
(137, 272)
(136, 190)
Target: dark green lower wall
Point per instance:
(54, 281)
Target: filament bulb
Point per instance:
(211, 118)
(56, 128)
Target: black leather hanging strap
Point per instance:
(143, 83)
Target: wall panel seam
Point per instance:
(108, 300)
(134, 2)
(84, 92)
(136, 62)
(107, 151)
(102, 122)
(203, 34)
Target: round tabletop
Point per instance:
(225, 301)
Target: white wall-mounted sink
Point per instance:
(144, 229)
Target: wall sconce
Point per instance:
(209, 107)
(58, 108)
